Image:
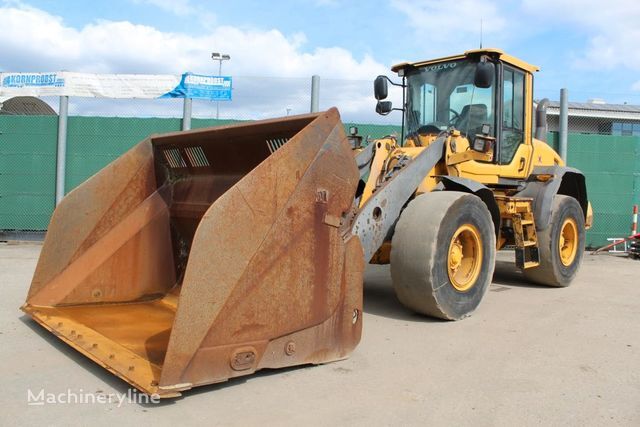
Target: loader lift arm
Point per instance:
(380, 212)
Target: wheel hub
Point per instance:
(455, 257)
(464, 258)
(568, 241)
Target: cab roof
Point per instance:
(511, 60)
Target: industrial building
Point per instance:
(597, 117)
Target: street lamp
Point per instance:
(217, 56)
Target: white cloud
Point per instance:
(611, 28)
(182, 9)
(447, 27)
(124, 47)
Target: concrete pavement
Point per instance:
(529, 355)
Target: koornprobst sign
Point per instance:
(126, 86)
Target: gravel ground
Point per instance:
(529, 355)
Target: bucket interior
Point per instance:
(192, 170)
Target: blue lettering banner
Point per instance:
(197, 86)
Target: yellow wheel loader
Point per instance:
(205, 255)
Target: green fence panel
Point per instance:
(94, 142)
(27, 171)
(611, 165)
(205, 123)
(364, 129)
(374, 131)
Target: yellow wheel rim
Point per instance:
(465, 257)
(568, 241)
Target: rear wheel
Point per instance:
(443, 254)
(561, 244)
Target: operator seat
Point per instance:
(471, 119)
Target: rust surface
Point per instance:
(281, 267)
(204, 255)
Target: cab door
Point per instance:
(515, 149)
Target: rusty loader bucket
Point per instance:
(205, 255)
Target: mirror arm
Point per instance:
(394, 84)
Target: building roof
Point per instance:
(25, 106)
(597, 109)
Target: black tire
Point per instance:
(552, 271)
(420, 251)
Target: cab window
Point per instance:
(470, 108)
(443, 95)
(428, 107)
(512, 114)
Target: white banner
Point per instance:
(88, 85)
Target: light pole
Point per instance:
(217, 56)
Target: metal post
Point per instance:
(61, 159)
(315, 93)
(186, 114)
(564, 123)
(217, 56)
(218, 102)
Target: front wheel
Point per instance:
(560, 244)
(443, 254)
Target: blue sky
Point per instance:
(582, 45)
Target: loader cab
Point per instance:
(444, 96)
(486, 96)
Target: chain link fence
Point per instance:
(99, 130)
(603, 142)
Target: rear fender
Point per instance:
(563, 180)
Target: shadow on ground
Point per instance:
(507, 274)
(380, 298)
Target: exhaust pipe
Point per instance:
(541, 120)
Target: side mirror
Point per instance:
(384, 107)
(380, 90)
(485, 74)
